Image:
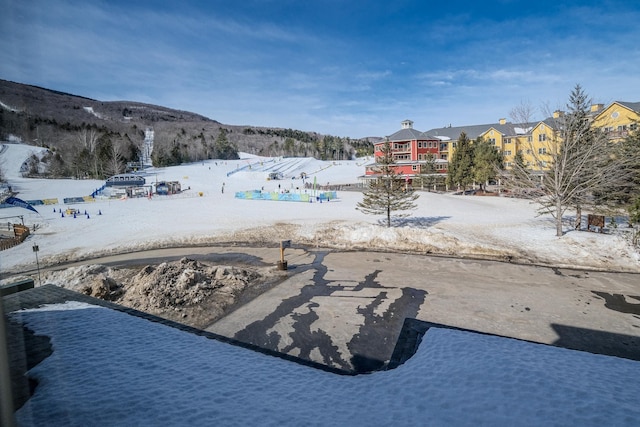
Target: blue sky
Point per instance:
(347, 68)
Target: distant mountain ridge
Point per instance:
(61, 106)
(114, 131)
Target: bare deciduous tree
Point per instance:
(576, 162)
(88, 138)
(115, 165)
(522, 114)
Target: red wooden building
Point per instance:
(411, 149)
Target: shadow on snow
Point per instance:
(418, 222)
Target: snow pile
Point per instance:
(170, 377)
(186, 291)
(93, 280)
(187, 288)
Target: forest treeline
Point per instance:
(91, 139)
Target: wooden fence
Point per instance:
(20, 232)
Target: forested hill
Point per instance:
(92, 138)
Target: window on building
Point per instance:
(507, 152)
(492, 141)
(507, 140)
(443, 157)
(454, 144)
(530, 138)
(633, 126)
(542, 137)
(542, 150)
(414, 167)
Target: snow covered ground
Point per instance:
(97, 375)
(490, 227)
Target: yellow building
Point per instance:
(618, 119)
(538, 140)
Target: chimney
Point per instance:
(596, 107)
(557, 114)
(502, 121)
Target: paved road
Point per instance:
(345, 309)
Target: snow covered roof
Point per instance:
(522, 131)
(474, 131)
(103, 357)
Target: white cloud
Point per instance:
(223, 58)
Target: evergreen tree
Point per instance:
(578, 163)
(634, 220)
(428, 172)
(583, 162)
(631, 151)
(519, 175)
(176, 154)
(389, 192)
(460, 170)
(627, 153)
(225, 150)
(487, 161)
(289, 147)
(518, 162)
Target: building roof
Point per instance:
(406, 134)
(635, 106)
(171, 374)
(474, 131)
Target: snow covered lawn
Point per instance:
(489, 227)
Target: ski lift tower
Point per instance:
(147, 148)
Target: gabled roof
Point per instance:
(474, 131)
(549, 121)
(635, 106)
